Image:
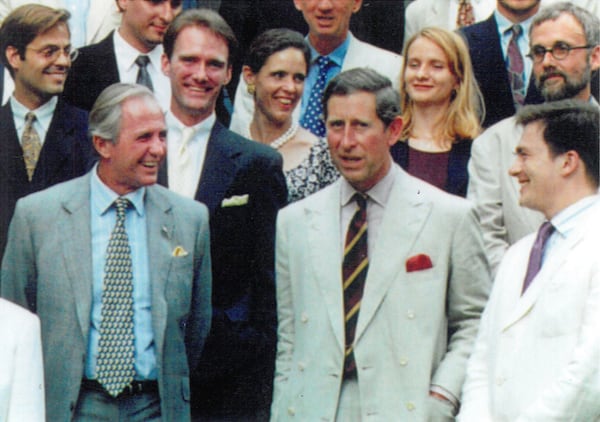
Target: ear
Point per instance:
(570, 162)
(13, 57)
(102, 146)
(356, 6)
(249, 76)
(595, 58)
(228, 78)
(394, 130)
(298, 5)
(165, 64)
(121, 5)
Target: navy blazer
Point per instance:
(66, 153)
(490, 71)
(234, 378)
(458, 176)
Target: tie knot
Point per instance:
(545, 231)
(30, 118)
(121, 204)
(187, 133)
(142, 61)
(464, 2)
(516, 30)
(361, 201)
(323, 62)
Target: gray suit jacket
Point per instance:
(415, 328)
(47, 267)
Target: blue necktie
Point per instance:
(313, 116)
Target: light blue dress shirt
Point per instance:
(103, 219)
(43, 116)
(337, 56)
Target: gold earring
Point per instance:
(251, 88)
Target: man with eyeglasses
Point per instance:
(129, 54)
(44, 140)
(565, 51)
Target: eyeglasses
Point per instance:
(53, 52)
(559, 51)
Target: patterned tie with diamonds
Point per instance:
(354, 274)
(143, 77)
(465, 16)
(115, 364)
(516, 67)
(30, 142)
(313, 115)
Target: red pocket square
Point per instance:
(418, 263)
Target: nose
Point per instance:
(515, 169)
(324, 5)
(548, 59)
(158, 147)
(200, 72)
(422, 72)
(169, 12)
(63, 58)
(290, 85)
(348, 140)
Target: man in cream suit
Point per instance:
(537, 354)
(21, 367)
(423, 287)
(112, 240)
(328, 36)
(569, 75)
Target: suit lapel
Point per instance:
(404, 218)
(219, 169)
(161, 228)
(77, 249)
(323, 223)
(11, 154)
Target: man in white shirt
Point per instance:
(130, 54)
(537, 353)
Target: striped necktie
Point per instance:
(354, 274)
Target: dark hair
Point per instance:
(569, 125)
(204, 18)
(25, 23)
(387, 99)
(273, 41)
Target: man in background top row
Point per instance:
(44, 140)
(333, 49)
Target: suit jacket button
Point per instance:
(410, 315)
(301, 366)
(291, 411)
(410, 406)
(403, 362)
(304, 318)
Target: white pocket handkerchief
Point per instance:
(235, 201)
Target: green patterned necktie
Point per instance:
(115, 364)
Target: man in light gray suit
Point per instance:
(112, 240)
(377, 313)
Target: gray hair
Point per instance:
(387, 99)
(105, 116)
(589, 22)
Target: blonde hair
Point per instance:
(466, 109)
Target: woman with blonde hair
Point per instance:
(441, 109)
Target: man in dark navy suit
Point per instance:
(44, 140)
(243, 186)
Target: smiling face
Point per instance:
(358, 140)
(40, 75)
(198, 69)
(328, 20)
(536, 169)
(144, 22)
(427, 75)
(571, 76)
(279, 85)
(133, 160)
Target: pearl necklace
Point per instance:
(283, 139)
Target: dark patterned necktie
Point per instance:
(31, 145)
(465, 16)
(143, 77)
(354, 274)
(313, 115)
(537, 251)
(115, 364)
(516, 67)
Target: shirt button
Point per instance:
(410, 315)
(291, 411)
(304, 318)
(410, 406)
(403, 362)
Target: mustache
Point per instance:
(551, 73)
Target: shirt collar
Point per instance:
(504, 24)
(380, 193)
(43, 113)
(566, 220)
(337, 56)
(103, 197)
(127, 53)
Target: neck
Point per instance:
(136, 43)
(30, 99)
(189, 117)
(265, 131)
(571, 196)
(429, 123)
(325, 45)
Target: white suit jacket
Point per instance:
(359, 54)
(537, 356)
(496, 193)
(402, 344)
(103, 15)
(423, 13)
(21, 368)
